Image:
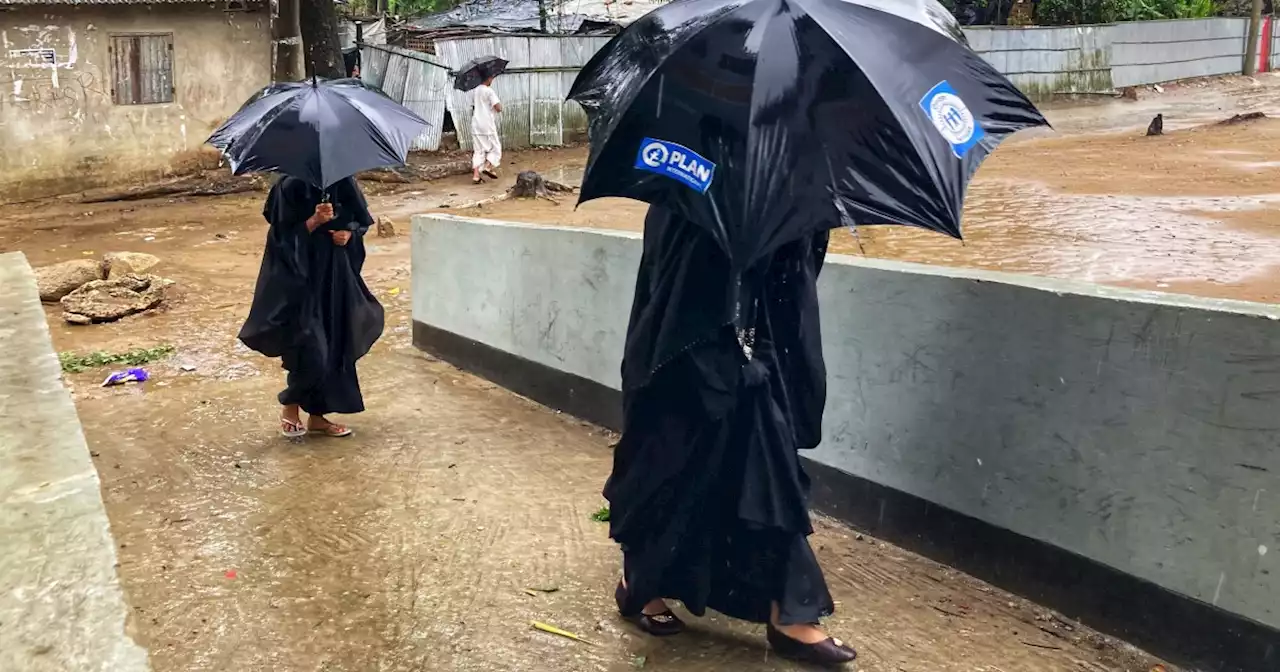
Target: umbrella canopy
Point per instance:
(764, 120)
(320, 131)
(475, 71)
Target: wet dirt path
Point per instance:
(1194, 212)
(411, 546)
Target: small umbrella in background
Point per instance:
(765, 120)
(475, 71)
(321, 131)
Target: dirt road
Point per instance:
(411, 546)
(1194, 211)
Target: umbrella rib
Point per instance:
(930, 165)
(662, 60)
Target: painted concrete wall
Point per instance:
(1161, 51)
(59, 129)
(1045, 61)
(61, 607)
(1134, 428)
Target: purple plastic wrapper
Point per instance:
(127, 376)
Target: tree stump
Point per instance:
(529, 184)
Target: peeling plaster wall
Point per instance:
(60, 131)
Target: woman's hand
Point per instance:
(323, 215)
(341, 238)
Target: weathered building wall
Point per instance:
(59, 127)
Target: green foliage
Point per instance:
(601, 516)
(408, 8)
(73, 363)
(1079, 12)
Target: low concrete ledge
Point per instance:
(1110, 453)
(61, 607)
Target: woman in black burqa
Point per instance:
(311, 308)
(723, 382)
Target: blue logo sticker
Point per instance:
(676, 162)
(952, 118)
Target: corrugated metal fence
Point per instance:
(540, 70)
(1040, 61)
(412, 79)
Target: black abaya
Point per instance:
(311, 308)
(723, 382)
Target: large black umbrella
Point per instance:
(320, 131)
(763, 120)
(475, 71)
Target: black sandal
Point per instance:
(830, 652)
(664, 624)
(489, 174)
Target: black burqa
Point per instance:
(311, 308)
(723, 382)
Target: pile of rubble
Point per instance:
(105, 290)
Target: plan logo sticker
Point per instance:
(952, 118)
(676, 162)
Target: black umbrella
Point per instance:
(320, 131)
(763, 120)
(475, 71)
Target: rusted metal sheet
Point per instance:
(141, 69)
(540, 71)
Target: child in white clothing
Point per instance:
(487, 148)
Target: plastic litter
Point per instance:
(126, 376)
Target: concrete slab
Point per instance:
(61, 607)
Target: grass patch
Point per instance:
(601, 516)
(75, 363)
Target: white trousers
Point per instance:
(486, 149)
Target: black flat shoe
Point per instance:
(658, 625)
(830, 652)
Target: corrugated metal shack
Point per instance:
(539, 74)
(542, 65)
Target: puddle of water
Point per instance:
(1029, 229)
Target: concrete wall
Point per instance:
(1099, 59)
(1133, 428)
(1163, 51)
(59, 129)
(61, 607)
(1045, 61)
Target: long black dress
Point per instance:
(723, 382)
(311, 308)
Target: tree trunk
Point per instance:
(319, 22)
(286, 64)
(1251, 47)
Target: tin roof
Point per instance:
(563, 16)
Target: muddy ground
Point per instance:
(411, 546)
(1194, 211)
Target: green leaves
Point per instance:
(74, 363)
